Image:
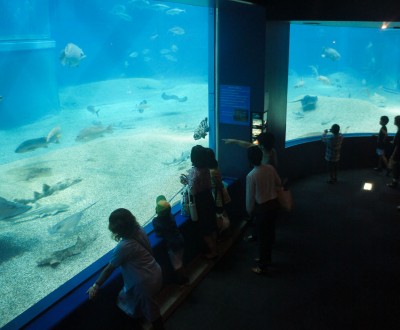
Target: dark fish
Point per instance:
(202, 130)
(308, 102)
(167, 97)
(11, 209)
(92, 109)
(32, 144)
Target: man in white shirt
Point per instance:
(261, 202)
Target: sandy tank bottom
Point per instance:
(140, 159)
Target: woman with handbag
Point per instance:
(199, 184)
(219, 191)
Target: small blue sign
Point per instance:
(234, 105)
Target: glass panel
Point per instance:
(131, 86)
(341, 75)
(24, 19)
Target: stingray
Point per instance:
(68, 225)
(11, 209)
(308, 102)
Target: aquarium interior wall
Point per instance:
(241, 45)
(28, 87)
(100, 112)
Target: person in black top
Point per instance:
(381, 145)
(165, 226)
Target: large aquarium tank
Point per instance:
(100, 105)
(342, 73)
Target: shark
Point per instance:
(45, 211)
(56, 257)
(48, 190)
(68, 225)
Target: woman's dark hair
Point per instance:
(198, 156)
(254, 155)
(266, 140)
(122, 224)
(211, 161)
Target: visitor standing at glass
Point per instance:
(394, 161)
(381, 145)
(199, 183)
(262, 184)
(333, 146)
(141, 273)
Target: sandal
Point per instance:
(258, 270)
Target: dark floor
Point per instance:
(336, 265)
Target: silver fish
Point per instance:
(10, 209)
(93, 132)
(68, 225)
(71, 55)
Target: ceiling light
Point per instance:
(368, 186)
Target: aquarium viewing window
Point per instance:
(117, 95)
(341, 73)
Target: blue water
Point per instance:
(354, 88)
(108, 38)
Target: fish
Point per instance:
(175, 11)
(49, 190)
(10, 209)
(170, 58)
(202, 130)
(71, 55)
(142, 106)
(45, 211)
(42, 142)
(133, 54)
(177, 31)
(93, 132)
(330, 53)
(68, 225)
(1, 98)
(167, 97)
(300, 83)
(174, 48)
(154, 37)
(185, 155)
(54, 135)
(92, 109)
(160, 7)
(324, 80)
(308, 102)
(56, 257)
(314, 70)
(32, 144)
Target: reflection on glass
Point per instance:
(343, 75)
(125, 98)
